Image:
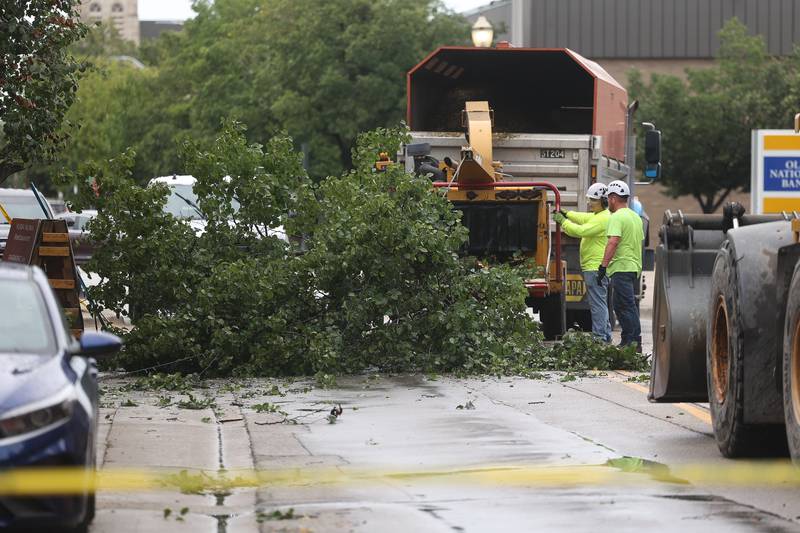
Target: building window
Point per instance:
(116, 8)
(95, 8)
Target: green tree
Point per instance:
(381, 285)
(116, 108)
(706, 120)
(38, 78)
(322, 70)
(342, 66)
(103, 40)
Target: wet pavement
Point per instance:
(421, 463)
(425, 453)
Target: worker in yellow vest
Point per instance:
(591, 229)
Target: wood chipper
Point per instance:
(726, 324)
(510, 134)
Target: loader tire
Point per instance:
(791, 368)
(725, 376)
(553, 315)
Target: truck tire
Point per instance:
(724, 363)
(553, 315)
(580, 319)
(791, 368)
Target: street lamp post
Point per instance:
(482, 33)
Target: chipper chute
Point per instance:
(506, 219)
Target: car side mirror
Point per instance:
(652, 154)
(71, 222)
(98, 343)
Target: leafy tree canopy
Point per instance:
(706, 120)
(380, 285)
(38, 78)
(322, 70)
(103, 40)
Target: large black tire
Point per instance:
(91, 508)
(91, 498)
(579, 318)
(791, 368)
(553, 315)
(724, 361)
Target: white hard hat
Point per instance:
(619, 188)
(596, 191)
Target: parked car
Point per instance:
(21, 203)
(48, 398)
(183, 203)
(58, 206)
(78, 221)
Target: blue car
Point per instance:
(48, 399)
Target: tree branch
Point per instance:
(9, 169)
(721, 199)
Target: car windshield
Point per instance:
(81, 221)
(21, 207)
(177, 205)
(28, 328)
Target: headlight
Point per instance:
(35, 419)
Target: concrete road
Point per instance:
(488, 457)
(412, 426)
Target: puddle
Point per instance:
(636, 465)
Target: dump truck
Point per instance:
(726, 325)
(509, 134)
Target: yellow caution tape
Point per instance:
(623, 471)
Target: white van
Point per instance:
(183, 203)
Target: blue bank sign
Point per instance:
(775, 181)
(782, 173)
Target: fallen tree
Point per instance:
(377, 282)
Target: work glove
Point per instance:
(601, 274)
(559, 217)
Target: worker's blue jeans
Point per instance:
(598, 303)
(624, 284)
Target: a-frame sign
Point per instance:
(45, 243)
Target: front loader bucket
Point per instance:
(682, 285)
(684, 264)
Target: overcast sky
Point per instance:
(181, 9)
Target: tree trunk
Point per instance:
(721, 200)
(711, 202)
(345, 152)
